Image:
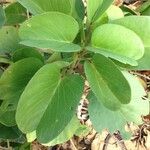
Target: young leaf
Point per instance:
(141, 29)
(92, 6)
(56, 33)
(49, 97)
(114, 12)
(101, 9)
(16, 77)
(78, 10)
(9, 39)
(38, 6)
(15, 14)
(118, 39)
(25, 53)
(31, 136)
(104, 78)
(102, 117)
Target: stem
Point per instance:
(149, 107)
(83, 38)
(73, 146)
(3, 148)
(75, 60)
(149, 101)
(8, 145)
(28, 15)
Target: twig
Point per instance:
(119, 140)
(73, 146)
(106, 141)
(4, 148)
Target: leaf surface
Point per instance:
(49, 97)
(118, 39)
(104, 78)
(56, 33)
(141, 29)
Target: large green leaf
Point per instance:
(38, 6)
(57, 32)
(15, 14)
(102, 117)
(105, 80)
(2, 16)
(49, 97)
(26, 52)
(141, 29)
(102, 8)
(16, 77)
(92, 6)
(74, 8)
(9, 39)
(118, 39)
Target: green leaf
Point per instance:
(52, 95)
(114, 13)
(2, 16)
(8, 132)
(78, 10)
(16, 77)
(92, 6)
(118, 39)
(15, 14)
(103, 7)
(56, 33)
(64, 136)
(7, 118)
(74, 8)
(127, 11)
(67, 133)
(142, 8)
(103, 19)
(31, 136)
(82, 131)
(25, 53)
(102, 117)
(5, 60)
(38, 6)
(9, 39)
(141, 29)
(104, 78)
(146, 12)
(120, 58)
(144, 62)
